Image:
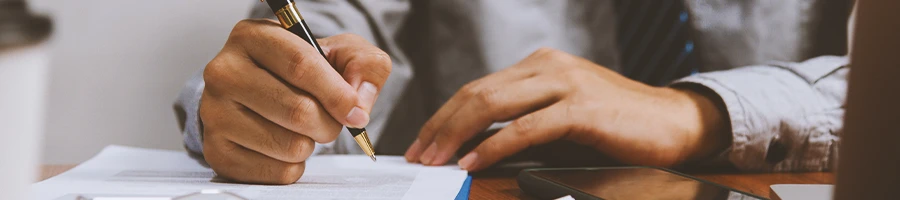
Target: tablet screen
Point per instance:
(638, 183)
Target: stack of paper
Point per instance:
(125, 171)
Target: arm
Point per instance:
(783, 117)
(374, 22)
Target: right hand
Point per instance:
(270, 96)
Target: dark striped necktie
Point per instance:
(654, 40)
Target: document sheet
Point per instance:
(802, 191)
(128, 171)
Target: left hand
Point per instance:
(551, 95)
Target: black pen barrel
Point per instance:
(278, 4)
(290, 19)
(302, 30)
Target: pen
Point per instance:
(291, 20)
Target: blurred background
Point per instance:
(117, 66)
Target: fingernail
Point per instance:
(466, 162)
(357, 118)
(441, 157)
(413, 152)
(428, 156)
(367, 92)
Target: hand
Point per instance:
(551, 95)
(269, 96)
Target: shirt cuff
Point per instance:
(740, 140)
(188, 105)
(768, 134)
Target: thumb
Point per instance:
(368, 93)
(363, 65)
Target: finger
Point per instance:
(428, 130)
(298, 63)
(428, 154)
(254, 132)
(234, 162)
(426, 134)
(363, 65)
(277, 101)
(540, 127)
(491, 104)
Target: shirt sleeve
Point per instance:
(376, 21)
(784, 116)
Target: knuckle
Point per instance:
(524, 125)
(243, 24)
(469, 90)
(300, 65)
(288, 174)
(381, 61)
(243, 30)
(546, 53)
(488, 147)
(379, 58)
(487, 98)
(299, 148)
(216, 73)
(306, 146)
(376, 63)
(302, 110)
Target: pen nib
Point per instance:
(372, 157)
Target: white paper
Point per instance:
(132, 171)
(803, 191)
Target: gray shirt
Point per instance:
(751, 56)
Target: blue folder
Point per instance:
(464, 190)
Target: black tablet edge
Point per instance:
(532, 183)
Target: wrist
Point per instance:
(707, 124)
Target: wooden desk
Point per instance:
(504, 186)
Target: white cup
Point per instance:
(23, 82)
(23, 79)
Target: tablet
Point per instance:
(623, 183)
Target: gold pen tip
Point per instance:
(373, 158)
